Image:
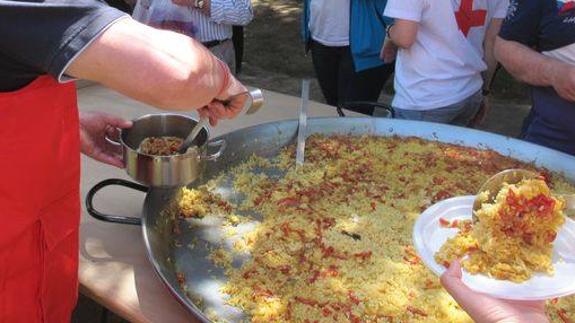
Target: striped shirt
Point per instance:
(192, 22)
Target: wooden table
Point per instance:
(114, 269)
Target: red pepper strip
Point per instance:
(354, 319)
(444, 223)
(288, 201)
(441, 195)
(416, 310)
(289, 311)
(249, 273)
(314, 277)
(353, 298)
(563, 316)
(328, 223)
(310, 302)
(413, 261)
(363, 255)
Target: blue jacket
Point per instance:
(366, 31)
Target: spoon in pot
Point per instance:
(257, 101)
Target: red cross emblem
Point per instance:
(467, 18)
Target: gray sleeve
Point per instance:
(46, 36)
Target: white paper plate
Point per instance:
(429, 236)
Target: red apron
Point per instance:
(39, 202)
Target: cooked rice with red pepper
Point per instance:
(335, 243)
(160, 146)
(514, 235)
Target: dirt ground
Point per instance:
(274, 59)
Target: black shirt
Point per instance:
(545, 25)
(43, 36)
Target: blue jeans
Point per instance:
(459, 114)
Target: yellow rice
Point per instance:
(514, 235)
(335, 244)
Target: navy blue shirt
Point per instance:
(547, 26)
(42, 36)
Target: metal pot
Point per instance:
(166, 171)
(267, 140)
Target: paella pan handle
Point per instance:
(354, 105)
(107, 217)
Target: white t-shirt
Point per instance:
(443, 66)
(564, 54)
(329, 22)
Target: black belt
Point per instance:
(213, 43)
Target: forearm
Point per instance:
(403, 33)
(489, 53)
(526, 64)
(160, 68)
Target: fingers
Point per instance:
(473, 303)
(217, 110)
(451, 280)
(116, 121)
(105, 157)
(204, 112)
(236, 106)
(213, 121)
(234, 87)
(388, 51)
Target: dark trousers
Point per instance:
(338, 80)
(238, 40)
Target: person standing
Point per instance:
(43, 46)
(537, 46)
(444, 47)
(345, 37)
(209, 21)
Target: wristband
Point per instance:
(387, 30)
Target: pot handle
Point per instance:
(112, 218)
(113, 141)
(217, 143)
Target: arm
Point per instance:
(403, 33)
(407, 15)
(160, 68)
(488, 45)
(534, 68)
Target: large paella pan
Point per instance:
(196, 260)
